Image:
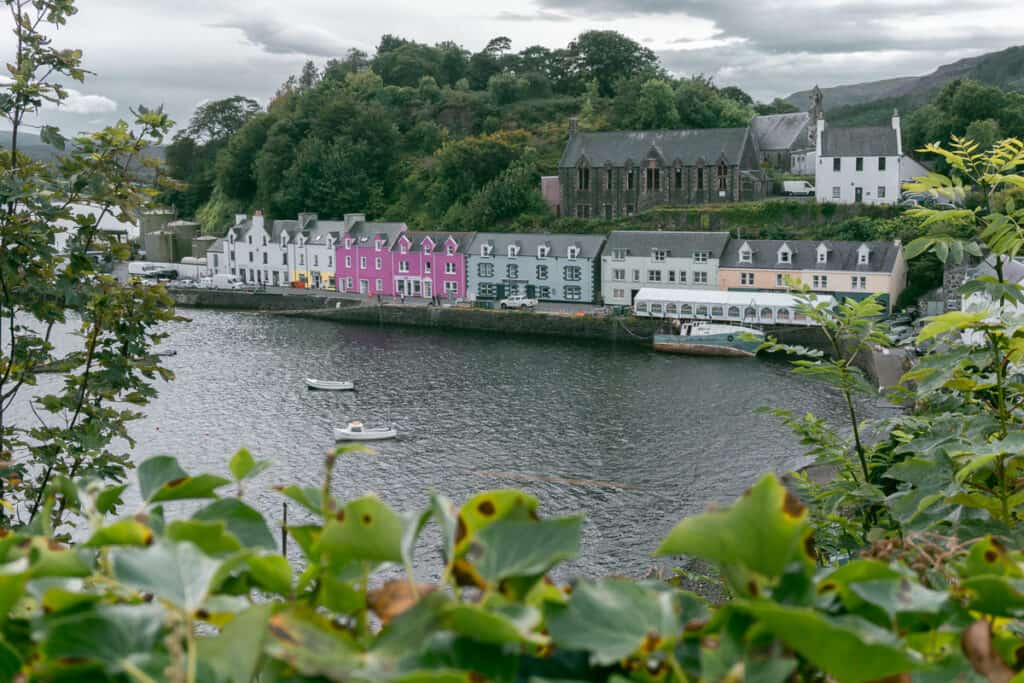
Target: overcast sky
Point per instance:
(183, 52)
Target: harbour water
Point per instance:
(634, 439)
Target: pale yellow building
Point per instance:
(841, 269)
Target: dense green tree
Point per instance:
(608, 57)
(776, 106)
(406, 64)
(652, 107)
(985, 132)
(514, 193)
(506, 88)
(220, 119)
(354, 62)
(236, 162)
(737, 95)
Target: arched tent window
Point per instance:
(750, 313)
(686, 309)
(783, 314)
(799, 317)
(702, 310)
(734, 311)
(671, 309)
(716, 311)
(766, 314)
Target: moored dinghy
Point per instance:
(356, 431)
(327, 385)
(711, 339)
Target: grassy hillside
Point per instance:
(872, 103)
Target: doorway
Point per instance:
(858, 195)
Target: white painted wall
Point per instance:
(848, 179)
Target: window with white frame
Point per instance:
(362, 262)
(619, 254)
(512, 270)
(486, 250)
(820, 281)
(573, 252)
(745, 256)
(403, 248)
(636, 275)
(348, 261)
(542, 272)
(449, 268)
(618, 293)
(785, 255)
(682, 276)
(513, 251)
(451, 287)
(378, 284)
(862, 255)
(859, 282)
(487, 290)
(543, 251)
(822, 253)
(426, 267)
(316, 261)
(403, 266)
(881, 191)
(701, 256)
(330, 261)
(377, 263)
(835, 192)
(654, 276)
(450, 249)
(619, 274)
(572, 273)
(659, 254)
(700, 277)
(671, 276)
(573, 293)
(485, 269)
(302, 259)
(747, 279)
(780, 280)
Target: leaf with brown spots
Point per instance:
(367, 531)
(488, 507)
(121, 532)
(763, 532)
(161, 479)
(395, 597)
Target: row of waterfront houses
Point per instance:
(387, 259)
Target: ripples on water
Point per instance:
(645, 438)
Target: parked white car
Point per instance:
(518, 301)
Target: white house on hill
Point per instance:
(859, 165)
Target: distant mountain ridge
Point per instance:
(1004, 69)
(30, 145)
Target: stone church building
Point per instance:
(620, 173)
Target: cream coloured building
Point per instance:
(841, 269)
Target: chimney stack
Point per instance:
(899, 132)
(352, 218)
(821, 130)
(574, 125)
(257, 220)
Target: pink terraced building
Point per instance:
(427, 264)
(363, 256)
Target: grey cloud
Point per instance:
(540, 15)
(287, 38)
(79, 103)
(807, 26)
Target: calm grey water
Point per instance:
(636, 440)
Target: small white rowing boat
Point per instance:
(356, 431)
(326, 385)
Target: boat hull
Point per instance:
(368, 435)
(323, 385)
(709, 345)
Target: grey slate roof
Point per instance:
(781, 131)
(841, 256)
(589, 245)
(218, 245)
(416, 237)
(687, 146)
(677, 243)
(864, 141)
(364, 231)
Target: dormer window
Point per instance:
(543, 251)
(250, 239)
(450, 249)
(513, 251)
(487, 250)
(426, 248)
(785, 254)
(863, 254)
(822, 253)
(658, 254)
(403, 248)
(573, 252)
(348, 244)
(379, 245)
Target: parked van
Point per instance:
(797, 187)
(222, 281)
